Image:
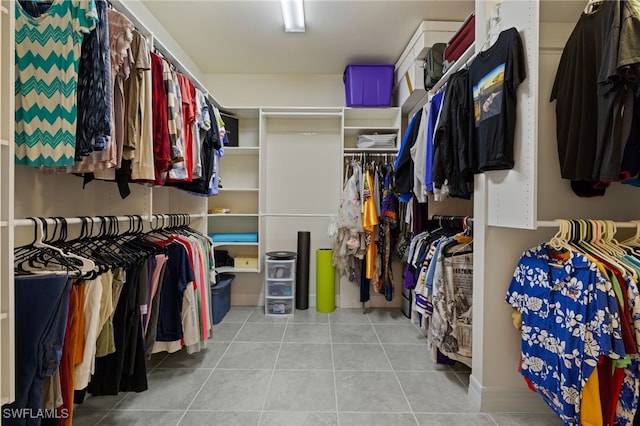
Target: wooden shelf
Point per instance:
(4, 10)
(4, 142)
(3, 316)
(4, 223)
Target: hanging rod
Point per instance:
(300, 114)
(381, 153)
(78, 220)
(467, 56)
(554, 224)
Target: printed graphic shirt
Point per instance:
(494, 76)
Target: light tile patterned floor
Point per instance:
(340, 369)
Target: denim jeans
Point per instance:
(41, 308)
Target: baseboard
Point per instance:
(505, 399)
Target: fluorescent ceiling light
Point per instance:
(293, 15)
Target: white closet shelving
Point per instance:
(7, 83)
(301, 150)
(239, 194)
(367, 121)
(283, 178)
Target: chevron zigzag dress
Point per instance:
(48, 41)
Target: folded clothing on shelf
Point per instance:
(376, 141)
(240, 237)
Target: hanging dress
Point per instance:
(388, 232)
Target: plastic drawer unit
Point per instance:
(280, 283)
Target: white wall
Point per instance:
(246, 90)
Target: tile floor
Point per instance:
(343, 368)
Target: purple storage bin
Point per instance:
(369, 85)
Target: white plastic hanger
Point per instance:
(86, 265)
(592, 6)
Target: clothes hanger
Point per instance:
(592, 6)
(597, 246)
(86, 265)
(634, 241)
(560, 241)
(621, 253)
(46, 255)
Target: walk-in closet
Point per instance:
(196, 231)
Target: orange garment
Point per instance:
(72, 350)
(369, 223)
(590, 408)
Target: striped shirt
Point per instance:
(47, 57)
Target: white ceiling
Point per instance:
(247, 36)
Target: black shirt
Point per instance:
(494, 76)
(594, 97)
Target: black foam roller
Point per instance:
(302, 270)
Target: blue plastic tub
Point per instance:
(221, 297)
(369, 85)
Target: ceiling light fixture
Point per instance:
(293, 15)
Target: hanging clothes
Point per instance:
(452, 289)
(95, 88)
(177, 170)
(369, 224)
(139, 124)
(434, 111)
(419, 157)
(404, 164)
(494, 76)
(612, 378)
(42, 305)
(48, 41)
(124, 370)
(120, 36)
(452, 162)
(593, 89)
(161, 143)
(198, 130)
(188, 119)
(367, 228)
(586, 300)
(349, 238)
(389, 222)
(210, 154)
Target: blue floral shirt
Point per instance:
(569, 318)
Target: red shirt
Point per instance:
(161, 143)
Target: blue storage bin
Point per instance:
(369, 85)
(221, 297)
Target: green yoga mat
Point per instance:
(325, 281)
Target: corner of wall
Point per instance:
(505, 399)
